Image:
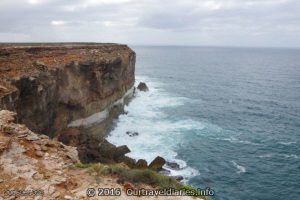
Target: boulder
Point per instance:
(173, 165)
(143, 87)
(132, 134)
(104, 148)
(96, 150)
(157, 163)
(130, 162)
(121, 151)
(141, 164)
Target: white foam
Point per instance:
(159, 135)
(279, 155)
(240, 168)
(235, 140)
(269, 155)
(290, 156)
(287, 143)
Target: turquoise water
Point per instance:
(229, 116)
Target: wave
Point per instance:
(240, 168)
(157, 133)
(270, 155)
(287, 143)
(235, 140)
(290, 156)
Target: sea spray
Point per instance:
(158, 133)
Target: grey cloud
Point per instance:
(215, 22)
(189, 17)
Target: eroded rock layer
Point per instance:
(51, 85)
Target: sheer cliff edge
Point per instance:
(51, 85)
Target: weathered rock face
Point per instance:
(49, 86)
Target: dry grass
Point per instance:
(138, 176)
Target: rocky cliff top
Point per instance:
(29, 59)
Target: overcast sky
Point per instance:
(155, 22)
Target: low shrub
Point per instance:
(145, 176)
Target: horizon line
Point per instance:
(158, 45)
(215, 46)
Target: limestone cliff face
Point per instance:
(49, 86)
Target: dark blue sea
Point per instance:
(230, 117)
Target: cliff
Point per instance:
(51, 85)
(56, 91)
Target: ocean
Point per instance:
(230, 117)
